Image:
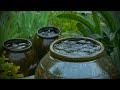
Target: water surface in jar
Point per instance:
(47, 33)
(17, 45)
(76, 47)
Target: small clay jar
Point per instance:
(42, 40)
(20, 52)
(76, 58)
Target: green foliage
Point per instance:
(77, 18)
(87, 26)
(20, 24)
(108, 19)
(115, 54)
(97, 22)
(102, 27)
(67, 27)
(8, 70)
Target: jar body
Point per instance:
(20, 52)
(51, 68)
(42, 40)
(26, 60)
(41, 45)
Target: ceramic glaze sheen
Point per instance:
(42, 40)
(62, 62)
(21, 53)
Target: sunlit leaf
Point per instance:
(82, 29)
(78, 18)
(97, 22)
(109, 20)
(95, 36)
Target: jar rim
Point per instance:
(85, 58)
(17, 40)
(43, 28)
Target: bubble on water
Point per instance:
(91, 50)
(42, 33)
(84, 50)
(82, 41)
(66, 41)
(14, 45)
(48, 33)
(22, 44)
(98, 48)
(88, 42)
(51, 34)
(20, 47)
(8, 45)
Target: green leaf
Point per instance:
(95, 36)
(88, 18)
(109, 20)
(17, 35)
(106, 30)
(82, 29)
(79, 19)
(97, 22)
(112, 36)
(16, 68)
(19, 75)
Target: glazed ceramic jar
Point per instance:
(21, 53)
(76, 58)
(42, 40)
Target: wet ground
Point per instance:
(76, 48)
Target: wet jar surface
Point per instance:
(21, 53)
(42, 40)
(76, 58)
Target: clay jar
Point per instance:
(21, 53)
(42, 40)
(76, 58)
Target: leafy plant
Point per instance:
(14, 24)
(67, 27)
(100, 26)
(8, 70)
(20, 24)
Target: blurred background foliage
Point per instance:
(20, 24)
(100, 25)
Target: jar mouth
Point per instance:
(76, 49)
(48, 32)
(18, 44)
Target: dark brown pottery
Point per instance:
(76, 58)
(21, 53)
(42, 40)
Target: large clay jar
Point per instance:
(42, 40)
(21, 53)
(76, 58)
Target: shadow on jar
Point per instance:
(42, 40)
(76, 58)
(20, 52)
